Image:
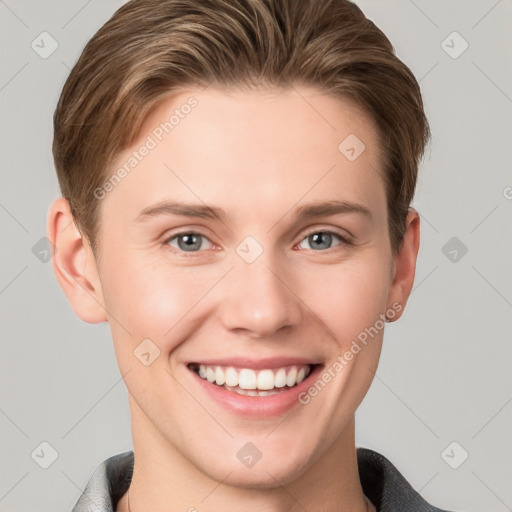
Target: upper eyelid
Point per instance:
(328, 230)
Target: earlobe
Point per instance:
(74, 264)
(405, 265)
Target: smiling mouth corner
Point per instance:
(250, 382)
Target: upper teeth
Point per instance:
(246, 378)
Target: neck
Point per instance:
(164, 480)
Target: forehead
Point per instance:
(249, 148)
(315, 119)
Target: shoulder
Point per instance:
(386, 487)
(108, 483)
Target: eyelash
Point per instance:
(344, 240)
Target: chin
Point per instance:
(264, 477)
(272, 470)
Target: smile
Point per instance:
(249, 382)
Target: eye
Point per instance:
(320, 240)
(187, 241)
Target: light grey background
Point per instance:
(445, 372)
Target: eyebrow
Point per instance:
(319, 209)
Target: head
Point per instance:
(287, 136)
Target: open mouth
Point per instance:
(250, 382)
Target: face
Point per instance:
(246, 246)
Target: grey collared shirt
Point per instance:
(382, 483)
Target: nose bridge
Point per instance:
(256, 297)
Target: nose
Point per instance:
(259, 298)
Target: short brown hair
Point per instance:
(152, 47)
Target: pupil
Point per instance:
(317, 238)
(187, 242)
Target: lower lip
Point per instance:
(257, 406)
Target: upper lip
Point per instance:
(256, 364)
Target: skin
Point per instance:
(258, 155)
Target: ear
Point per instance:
(74, 264)
(404, 266)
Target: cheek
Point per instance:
(349, 297)
(158, 299)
